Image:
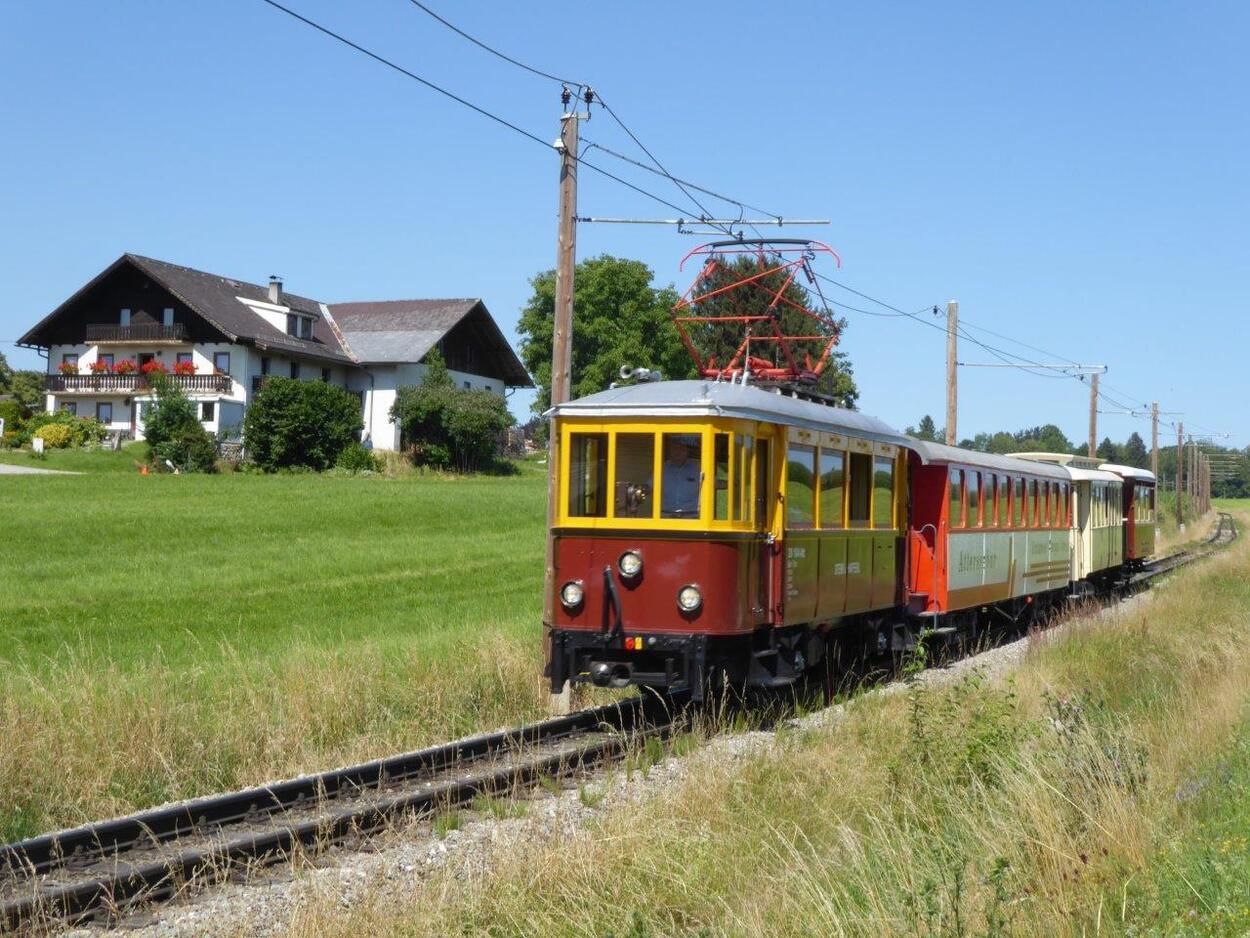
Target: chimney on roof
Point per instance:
(275, 289)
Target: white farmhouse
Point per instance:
(221, 338)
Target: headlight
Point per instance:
(572, 593)
(630, 564)
(689, 599)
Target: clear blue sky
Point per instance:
(1075, 174)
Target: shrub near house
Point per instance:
(447, 427)
(294, 423)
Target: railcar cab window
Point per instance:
(1017, 502)
(1004, 503)
(635, 475)
(720, 477)
(681, 475)
(800, 486)
(588, 475)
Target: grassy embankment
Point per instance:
(1102, 789)
(167, 636)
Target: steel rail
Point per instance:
(84, 873)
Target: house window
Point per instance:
(106, 359)
(167, 316)
(221, 362)
(294, 369)
(104, 412)
(70, 407)
(184, 357)
(301, 327)
(325, 375)
(70, 359)
(207, 409)
(124, 319)
(264, 366)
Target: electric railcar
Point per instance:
(715, 531)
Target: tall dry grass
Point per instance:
(1042, 804)
(82, 744)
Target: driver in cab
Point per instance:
(680, 480)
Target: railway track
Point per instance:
(96, 871)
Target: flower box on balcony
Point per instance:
(100, 368)
(68, 368)
(184, 368)
(154, 368)
(124, 367)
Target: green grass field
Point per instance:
(171, 635)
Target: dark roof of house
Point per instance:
(405, 330)
(354, 333)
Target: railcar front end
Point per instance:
(663, 550)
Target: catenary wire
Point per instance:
(493, 51)
(469, 104)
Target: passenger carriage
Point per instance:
(1138, 504)
(1097, 518)
(985, 529)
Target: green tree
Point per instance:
(300, 423)
(27, 389)
(719, 341)
(1134, 452)
(448, 427)
(6, 374)
(1107, 451)
(1002, 443)
(174, 432)
(619, 318)
(927, 431)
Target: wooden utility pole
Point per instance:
(1180, 474)
(952, 371)
(1154, 440)
(566, 264)
(1093, 415)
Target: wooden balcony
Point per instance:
(133, 384)
(148, 333)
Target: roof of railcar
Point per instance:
(1129, 472)
(724, 399)
(941, 453)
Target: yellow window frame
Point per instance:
(705, 430)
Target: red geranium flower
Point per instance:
(184, 368)
(154, 367)
(100, 367)
(124, 367)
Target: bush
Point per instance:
(174, 432)
(300, 423)
(446, 427)
(82, 430)
(11, 413)
(55, 435)
(355, 458)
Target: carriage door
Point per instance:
(761, 560)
